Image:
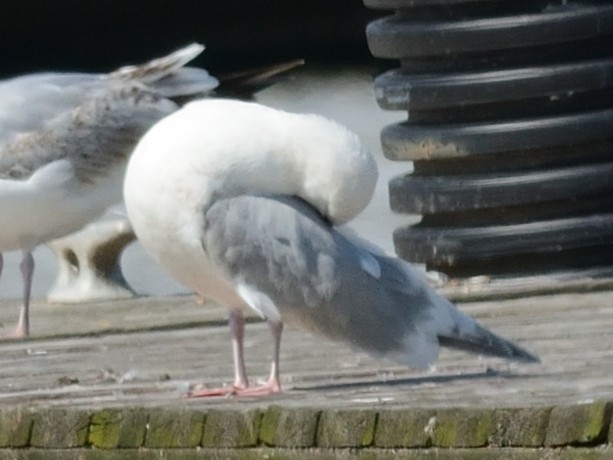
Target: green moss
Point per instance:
(112, 428)
(368, 432)
(462, 428)
(610, 436)
(346, 428)
(60, 428)
(231, 428)
(597, 421)
(580, 424)
(446, 433)
(404, 428)
(269, 424)
(105, 428)
(525, 427)
(289, 427)
(174, 428)
(15, 427)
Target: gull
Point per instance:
(242, 203)
(65, 139)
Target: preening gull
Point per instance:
(65, 139)
(240, 202)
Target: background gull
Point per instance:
(65, 139)
(240, 203)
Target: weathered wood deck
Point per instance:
(146, 352)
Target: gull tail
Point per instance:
(422, 321)
(168, 75)
(481, 341)
(456, 329)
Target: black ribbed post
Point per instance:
(510, 131)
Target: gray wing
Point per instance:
(282, 251)
(92, 120)
(28, 102)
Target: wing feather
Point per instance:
(316, 278)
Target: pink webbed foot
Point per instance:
(241, 387)
(270, 388)
(267, 389)
(18, 332)
(213, 392)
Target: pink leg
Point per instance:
(241, 384)
(27, 270)
(274, 384)
(276, 329)
(22, 329)
(237, 331)
(1, 267)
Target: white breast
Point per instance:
(52, 203)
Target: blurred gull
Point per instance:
(65, 139)
(240, 202)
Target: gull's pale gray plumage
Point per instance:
(285, 257)
(240, 202)
(95, 136)
(65, 139)
(92, 120)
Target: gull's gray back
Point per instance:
(314, 276)
(89, 120)
(287, 261)
(27, 102)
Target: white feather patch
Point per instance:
(369, 264)
(260, 302)
(366, 252)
